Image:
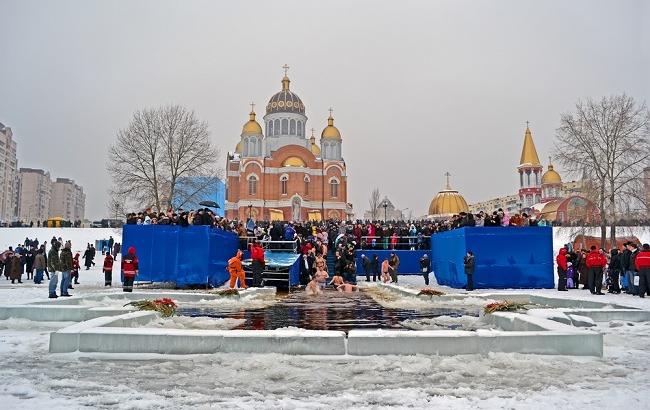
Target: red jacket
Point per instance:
(130, 263)
(257, 253)
(642, 260)
(595, 259)
(108, 262)
(561, 260)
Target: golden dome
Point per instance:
(252, 127)
(528, 152)
(448, 202)
(331, 131)
(551, 176)
(315, 149)
(293, 162)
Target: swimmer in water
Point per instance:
(321, 277)
(337, 280)
(313, 288)
(347, 288)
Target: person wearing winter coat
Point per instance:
(631, 272)
(74, 274)
(562, 268)
(117, 248)
(367, 266)
(108, 270)
(393, 263)
(29, 262)
(53, 266)
(236, 271)
(596, 262)
(469, 265)
(425, 268)
(67, 264)
(257, 264)
(374, 264)
(17, 267)
(615, 270)
(129, 269)
(642, 265)
(39, 266)
(88, 257)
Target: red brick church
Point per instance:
(280, 173)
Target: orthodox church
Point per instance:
(278, 172)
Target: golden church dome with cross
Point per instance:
(252, 127)
(331, 131)
(447, 202)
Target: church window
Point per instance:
(283, 184)
(292, 127)
(521, 179)
(334, 188)
(245, 147)
(252, 185)
(276, 127)
(285, 126)
(300, 133)
(269, 130)
(306, 185)
(259, 147)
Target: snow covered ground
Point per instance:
(35, 379)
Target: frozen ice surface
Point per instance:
(198, 322)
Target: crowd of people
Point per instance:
(33, 260)
(619, 270)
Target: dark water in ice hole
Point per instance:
(331, 311)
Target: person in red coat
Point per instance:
(562, 268)
(596, 262)
(108, 269)
(74, 274)
(129, 269)
(257, 264)
(642, 264)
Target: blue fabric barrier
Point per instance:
(193, 255)
(505, 257)
(409, 261)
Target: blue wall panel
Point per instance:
(505, 257)
(194, 255)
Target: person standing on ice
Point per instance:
(129, 269)
(236, 271)
(67, 265)
(108, 270)
(425, 268)
(257, 264)
(87, 257)
(642, 265)
(562, 268)
(596, 262)
(469, 265)
(39, 265)
(53, 266)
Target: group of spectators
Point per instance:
(619, 270)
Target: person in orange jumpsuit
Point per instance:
(236, 271)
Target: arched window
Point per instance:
(300, 133)
(269, 130)
(276, 127)
(334, 188)
(252, 185)
(285, 126)
(292, 127)
(283, 184)
(245, 144)
(259, 147)
(306, 184)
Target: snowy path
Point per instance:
(34, 379)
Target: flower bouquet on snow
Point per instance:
(227, 292)
(504, 306)
(430, 292)
(164, 306)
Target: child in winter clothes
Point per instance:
(74, 274)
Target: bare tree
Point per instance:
(609, 141)
(375, 203)
(116, 206)
(158, 148)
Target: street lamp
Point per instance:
(385, 205)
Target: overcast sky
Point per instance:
(418, 87)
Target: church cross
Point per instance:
(447, 174)
(285, 68)
(527, 123)
(252, 106)
(312, 132)
(331, 110)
